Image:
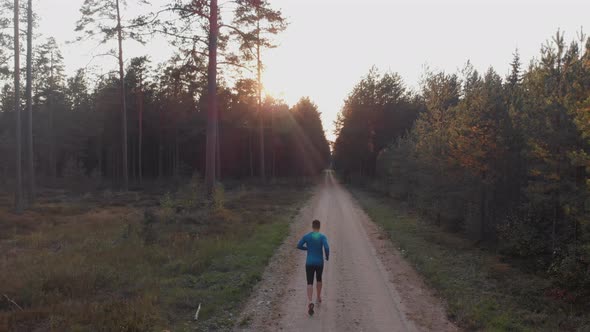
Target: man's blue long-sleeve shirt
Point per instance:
(314, 242)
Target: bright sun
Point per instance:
(269, 91)
(274, 87)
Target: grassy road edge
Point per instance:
(480, 290)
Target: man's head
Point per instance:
(315, 225)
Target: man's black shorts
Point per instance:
(310, 270)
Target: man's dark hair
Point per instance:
(315, 224)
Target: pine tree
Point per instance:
(311, 144)
(550, 131)
(48, 87)
(29, 106)
(478, 138)
(17, 110)
(515, 73)
(101, 19)
(136, 75)
(256, 24)
(205, 16)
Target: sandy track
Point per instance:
(367, 285)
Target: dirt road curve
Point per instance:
(367, 285)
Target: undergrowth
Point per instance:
(144, 265)
(482, 290)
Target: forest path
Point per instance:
(367, 284)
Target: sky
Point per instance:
(331, 44)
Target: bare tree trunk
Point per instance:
(250, 152)
(123, 101)
(140, 120)
(133, 159)
(52, 157)
(160, 156)
(19, 185)
(160, 149)
(274, 164)
(171, 162)
(100, 156)
(116, 165)
(111, 162)
(273, 145)
(218, 154)
(554, 223)
(210, 167)
(176, 153)
(482, 212)
(261, 118)
(29, 93)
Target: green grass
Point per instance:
(87, 266)
(482, 291)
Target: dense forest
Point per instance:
(139, 194)
(504, 160)
(146, 120)
(152, 189)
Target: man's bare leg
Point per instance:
(319, 289)
(310, 298)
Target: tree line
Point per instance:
(145, 120)
(506, 160)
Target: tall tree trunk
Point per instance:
(116, 166)
(482, 211)
(210, 167)
(110, 162)
(99, 153)
(18, 199)
(558, 151)
(160, 161)
(29, 93)
(218, 154)
(274, 164)
(171, 162)
(133, 159)
(261, 118)
(250, 152)
(140, 123)
(123, 102)
(160, 149)
(273, 145)
(52, 157)
(556, 208)
(176, 152)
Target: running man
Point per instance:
(313, 243)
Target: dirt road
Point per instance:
(367, 285)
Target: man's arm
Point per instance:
(326, 247)
(301, 243)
